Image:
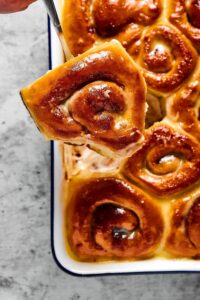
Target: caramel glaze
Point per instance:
(184, 237)
(183, 108)
(107, 218)
(167, 163)
(110, 17)
(185, 15)
(166, 56)
(96, 95)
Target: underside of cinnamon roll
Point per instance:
(97, 99)
(79, 160)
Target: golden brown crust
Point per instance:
(185, 15)
(85, 22)
(167, 58)
(94, 98)
(167, 163)
(184, 236)
(78, 26)
(107, 218)
(111, 16)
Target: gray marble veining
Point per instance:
(27, 269)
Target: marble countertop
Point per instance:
(27, 268)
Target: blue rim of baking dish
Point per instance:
(52, 211)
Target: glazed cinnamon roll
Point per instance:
(167, 59)
(96, 99)
(107, 218)
(184, 108)
(185, 15)
(87, 22)
(167, 163)
(184, 237)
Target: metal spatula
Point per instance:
(51, 10)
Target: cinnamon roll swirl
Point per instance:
(184, 236)
(87, 22)
(93, 99)
(167, 59)
(185, 15)
(167, 163)
(107, 218)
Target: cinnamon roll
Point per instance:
(167, 163)
(107, 218)
(185, 15)
(93, 99)
(87, 22)
(167, 59)
(184, 236)
(184, 108)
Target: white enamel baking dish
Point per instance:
(60, 254)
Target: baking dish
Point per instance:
(62, 257)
